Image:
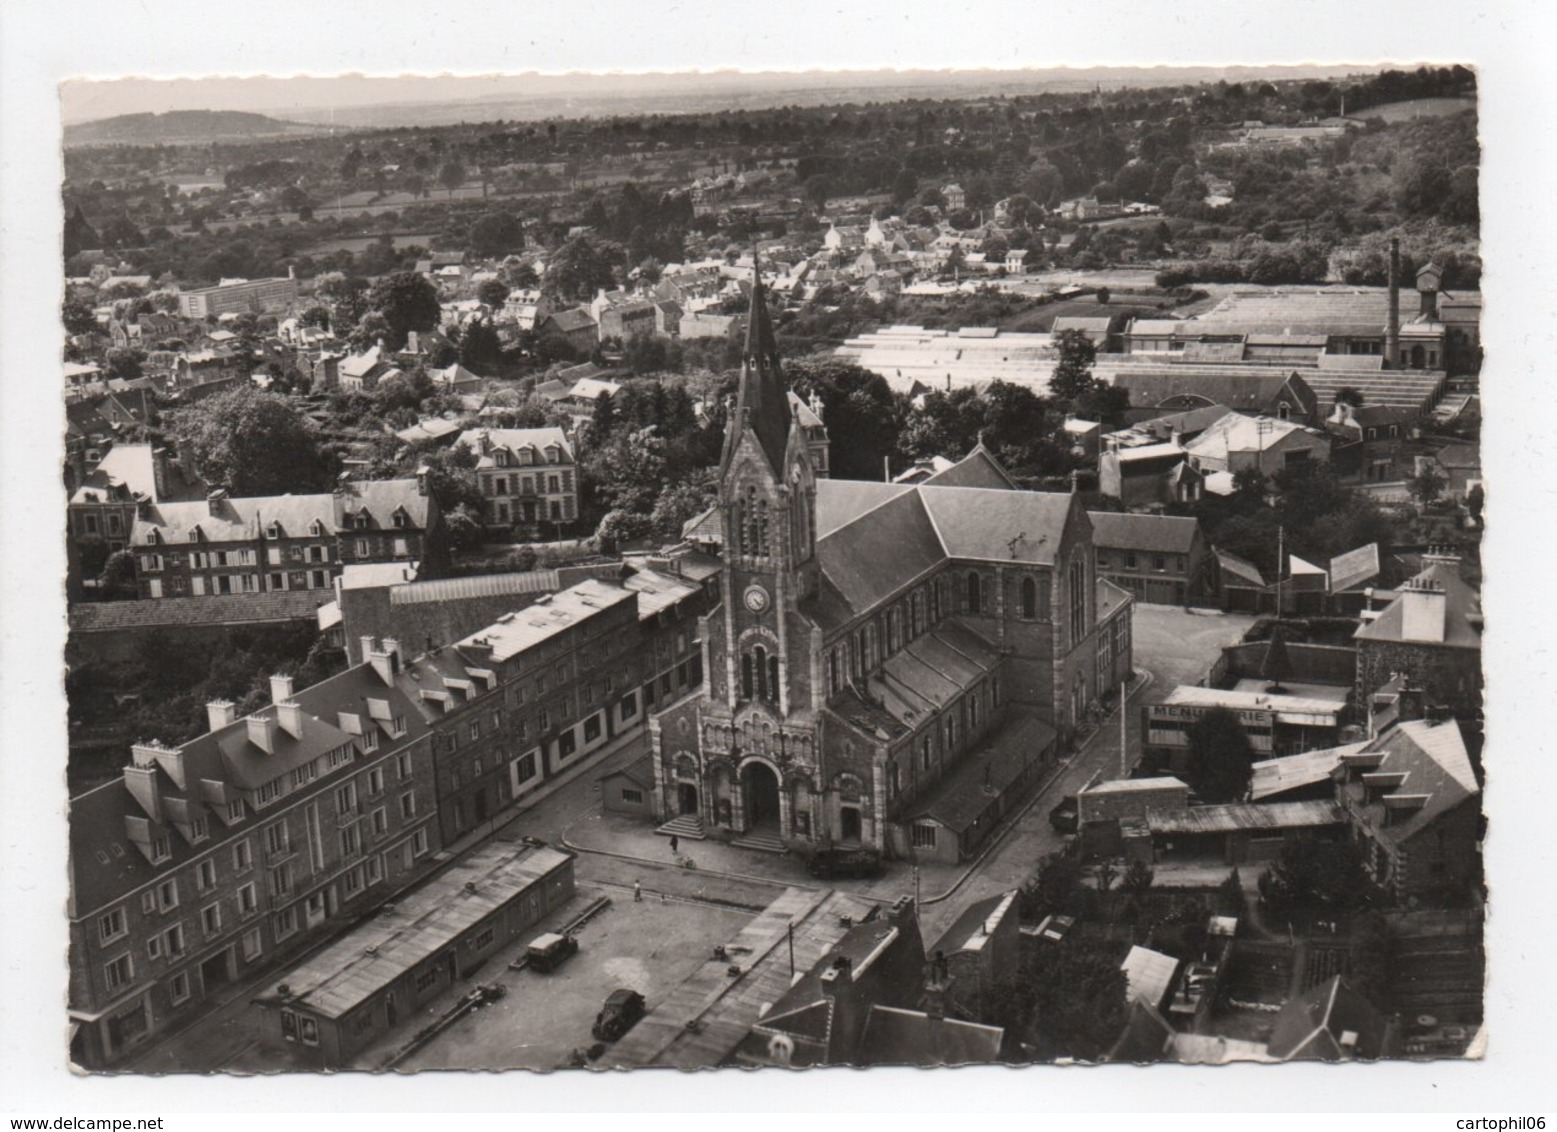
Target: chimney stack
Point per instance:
(262, 732)
(1392, 330)
(280, 689)
(289, 716)
(220, 714)
(214, 500)
(392, 647)
(1410, 702)
(1423, 606)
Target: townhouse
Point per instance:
(527, 475)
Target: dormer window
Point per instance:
(401, 519)
(500, 458)
(194, 534)
(360, 520)
(273, 530)
(553, 454)
(316, 529)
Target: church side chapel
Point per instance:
(891, 666)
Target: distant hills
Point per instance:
(181, 127)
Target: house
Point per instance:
(575, 327)
(1238, 443)
(1369, 442)
(1430, 630)
(1276, 723)
(362, 373)
(528, 476)
(375, 979)
(255, 544)
(955, 196)
(1099, 330)
(455, 379)
(622, 315)
(1016, 261)
(1159, 559)
(980, 953)
(207, 863)
(1458, 464)
(856, 647)
(1331, 1022)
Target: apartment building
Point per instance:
(528, 476)
(266, 296)
(226, 545)
(208, 862)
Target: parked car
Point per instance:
(1065, 816)
(620, 1013)
(548, 952)
(831, 864)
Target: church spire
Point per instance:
(762, 400)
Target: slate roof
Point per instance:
(416, 927)
(977, 469)
(1427, 764)
(1312, 1025)
(1152, 534)
(479, 585)
(1240, 568)
(1292, 772)
(894, 1036)
(963, 796)
(1238, 433)
(1249, 389)
(484, 440)
(515, 633)
(1354, 568)
(245, 517)
(1462, 612)
(1148, 975)
(210, 609)
(1237, 816)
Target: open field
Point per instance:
(1418, 108)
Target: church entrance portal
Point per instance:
(686, 798)
(761, 787)
(849, 820)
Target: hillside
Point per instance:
(179, 126)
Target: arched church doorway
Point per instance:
(686, 797)
(849, 823)
(760, 785)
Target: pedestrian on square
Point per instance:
(638, 892)
(675, 844)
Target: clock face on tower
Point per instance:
(756, 598)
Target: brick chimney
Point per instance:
(280, 689)
(1423, 608)
(159, 472)
(1410, 702)
(220, 714)
(1392, 328)
(289, 716)
(215, 500)
(262, 732)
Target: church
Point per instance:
(890, 666)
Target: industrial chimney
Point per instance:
(1392, 330)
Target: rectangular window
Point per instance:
(375, 781)
(353, 882)
(525, 768)
(346, 799)
(111, 926)
(403, 765)
(349, 842)
(285, 923)
(427, 978)
(252, 946)
(923, 836)
(161, 849)
(566, 744)
(281, 881)
(592, 729)
(242, 857)
(375, 869)
(211, 919)
(267, 793)
(205, 875)
(154, 947)
(408, 805)
(632, 797)
(248, 900)
(304, 774)
(380, 822)
(167, 895)
(174, 940)
(235, 810)
(419, 842)
(178, 988)
(276, 838)
(119, 972)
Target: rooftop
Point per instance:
(516, 633)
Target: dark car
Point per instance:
(1064, 817)
(548, 952)
(620, 1013)
(830, 864)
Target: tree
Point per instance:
(408, 302)
(251, 443)
(123, 363)
(580, 267)
(1220, 757)
(496, 233)
(1426, 486)
(76, 313)
(1137, 878)
(602, 421)
(1313, 875)
(1349, 395)
(1071, 997)
(818, 188)
(480, 347)
(492, 293)
(345, 294)
(857, 404)
(317, 315)
(451, 176)
(463, 529)
(1072, 376)
(519, 275)
(118, 577)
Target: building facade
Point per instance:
(528, 476)
(262, 296)
(208, 862)
(872, 639)
(260, 544)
